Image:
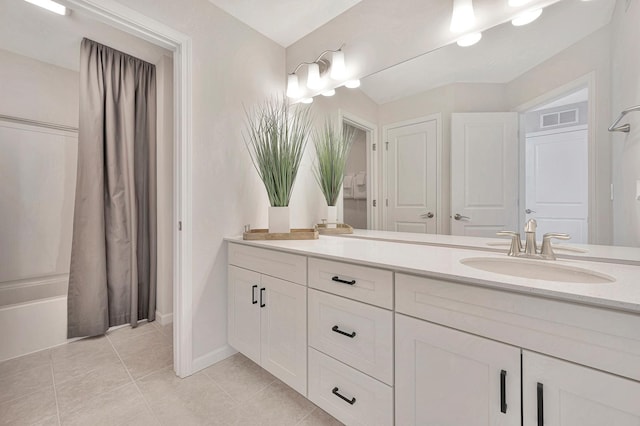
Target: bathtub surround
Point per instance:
(113, 257)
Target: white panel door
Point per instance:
(557, 177)
(284, 331)
(566, 394)
(484, 173)
(243, 319)
(446, 377)
(411, 178)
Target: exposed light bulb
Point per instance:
(352, 84)
(462, 18)
(50, 6)
(526, 17)
(518, 3)
(469, 39)
(329, 93)
(293, 89)
(338, 69)
(313, 77)
(307, 100)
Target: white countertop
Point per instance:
(444, 262)
(565, 250)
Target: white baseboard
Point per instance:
(211, 358)
(164, 319)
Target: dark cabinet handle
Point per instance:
(342, 397)
(338, 280)
(262, 304)
(344, 333)
(540, 405)
(503, 391)
(253, 294)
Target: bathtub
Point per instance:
(33, 315)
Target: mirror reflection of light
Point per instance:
(329, 93)
(313, 76)
(307, 100)
(463, 17)
(352, 84)
(293, 89)
(518, 3)
(526, 17)
(469, 39)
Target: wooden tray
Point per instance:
(341, 228)
(295, 234)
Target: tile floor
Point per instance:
(126, 378)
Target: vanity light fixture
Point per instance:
(307, 100)
(51, 6)
(352, 84)
(316, 70)
(469, 39)
(329, 93)
(463, 18)
(526, 17)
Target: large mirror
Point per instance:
(472, 140)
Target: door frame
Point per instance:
(588, 81)
(384, 158)
(128, 20)
(371, 131)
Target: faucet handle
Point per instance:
(531, 226)
(516, 243)
(547, 251)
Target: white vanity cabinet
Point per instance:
(267, 316)
(557, 392)
(447, 377)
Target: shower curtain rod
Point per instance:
(38, 123)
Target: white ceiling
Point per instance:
(285, 21)
(31, 31)
(504, 53)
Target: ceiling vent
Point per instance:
(560, 118)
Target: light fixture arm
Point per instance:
(317, 59)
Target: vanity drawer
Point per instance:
(357, 334)
(368, 401)
(290, 267)
(369, 285)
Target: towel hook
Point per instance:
(625, 127)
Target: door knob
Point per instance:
(529, 211)
(458, 216)
(427, 215)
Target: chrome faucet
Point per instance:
(531, 247)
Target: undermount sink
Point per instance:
(538, 270)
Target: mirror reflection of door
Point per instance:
(411, 173)
(355, 185)
(556, 166)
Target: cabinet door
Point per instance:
(284, 331)
(449, 378)
(560, 393)
(243, 325)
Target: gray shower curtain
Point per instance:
(113, 257)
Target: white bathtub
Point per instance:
(33, 315)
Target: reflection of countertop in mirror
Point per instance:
(590, 252)
(445, 263)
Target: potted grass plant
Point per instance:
(276, 136)
(332, 144)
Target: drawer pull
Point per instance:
(253, 294)
(338, 280)
(262, 304)
(344, 333)
(342, 397)
(540, 398)
(503, 391)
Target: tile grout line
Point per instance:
(307, 416)
(146, 403)
(55, 391)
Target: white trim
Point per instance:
(371, 130)
(164, 319)
(115, 14)
(207, 360)
(439, 178)
(588, 81)
(556, 131)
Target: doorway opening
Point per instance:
(555, 155)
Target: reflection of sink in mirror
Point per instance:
(538, 270)
(556, 248)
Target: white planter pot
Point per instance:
(279, 220)
(331, 216)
